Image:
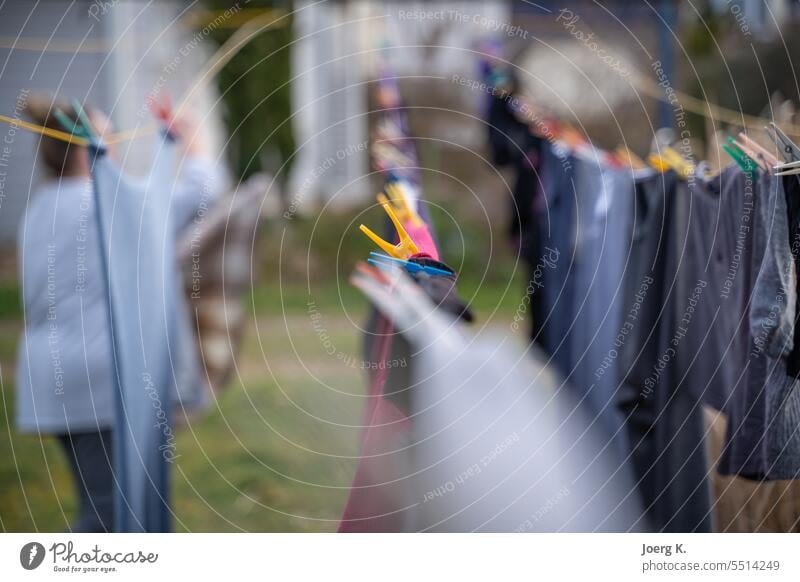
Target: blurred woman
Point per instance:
(64, 363)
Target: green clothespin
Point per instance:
(745, 163)
(81, 128)
(740, 151)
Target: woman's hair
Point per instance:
(58, 157)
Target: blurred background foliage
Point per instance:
(255, 89)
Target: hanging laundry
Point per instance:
(558, 239)
(612, 316)
(603, 197)
(493, 444)
(791, 187)
(763, 440)
(153, 357)
(376, 499)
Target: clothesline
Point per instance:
(245, 34)
(710, 110)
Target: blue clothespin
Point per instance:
(385, 261)
(82, 127)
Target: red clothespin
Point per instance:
(162, 110)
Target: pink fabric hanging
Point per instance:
(375, 500)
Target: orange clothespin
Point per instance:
(628, 158)
(402, 250)
(399, 203)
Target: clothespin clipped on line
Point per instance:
(162, 111)
(765, 155)
(385, 262)
(572, 137)
(789, 169)
(82, 128)
(748, 153)
(658, 163)
(368, 272)
(740, 157)
(680, 164)
(628, 158)
(669, 159)
(790, 151)
(391, 155)
(402, 250)
(399, 203)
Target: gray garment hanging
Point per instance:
(136, 234)
(497, 443)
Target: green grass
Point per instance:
(277, 450)
(10, 304)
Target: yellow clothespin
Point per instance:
(681, 165)
(399, 203)
(658, 163)
(670, 159)
(404, 249)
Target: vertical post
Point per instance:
(666, 27)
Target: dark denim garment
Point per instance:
(605, 203)
(558, 235)
(763, 439)
(719, 239)
(664, 419)
(791, 187)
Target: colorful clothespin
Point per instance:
(371, 272)
(391, 156)
(385, 262)
(402, 250)
(399, 202)
(572, 137)
(628, 158)
(669, 159)
(741, 159)
(681, 165)
(82, 128)
(748, 153)
(162, 111)
(658, 163)
(758, 149)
